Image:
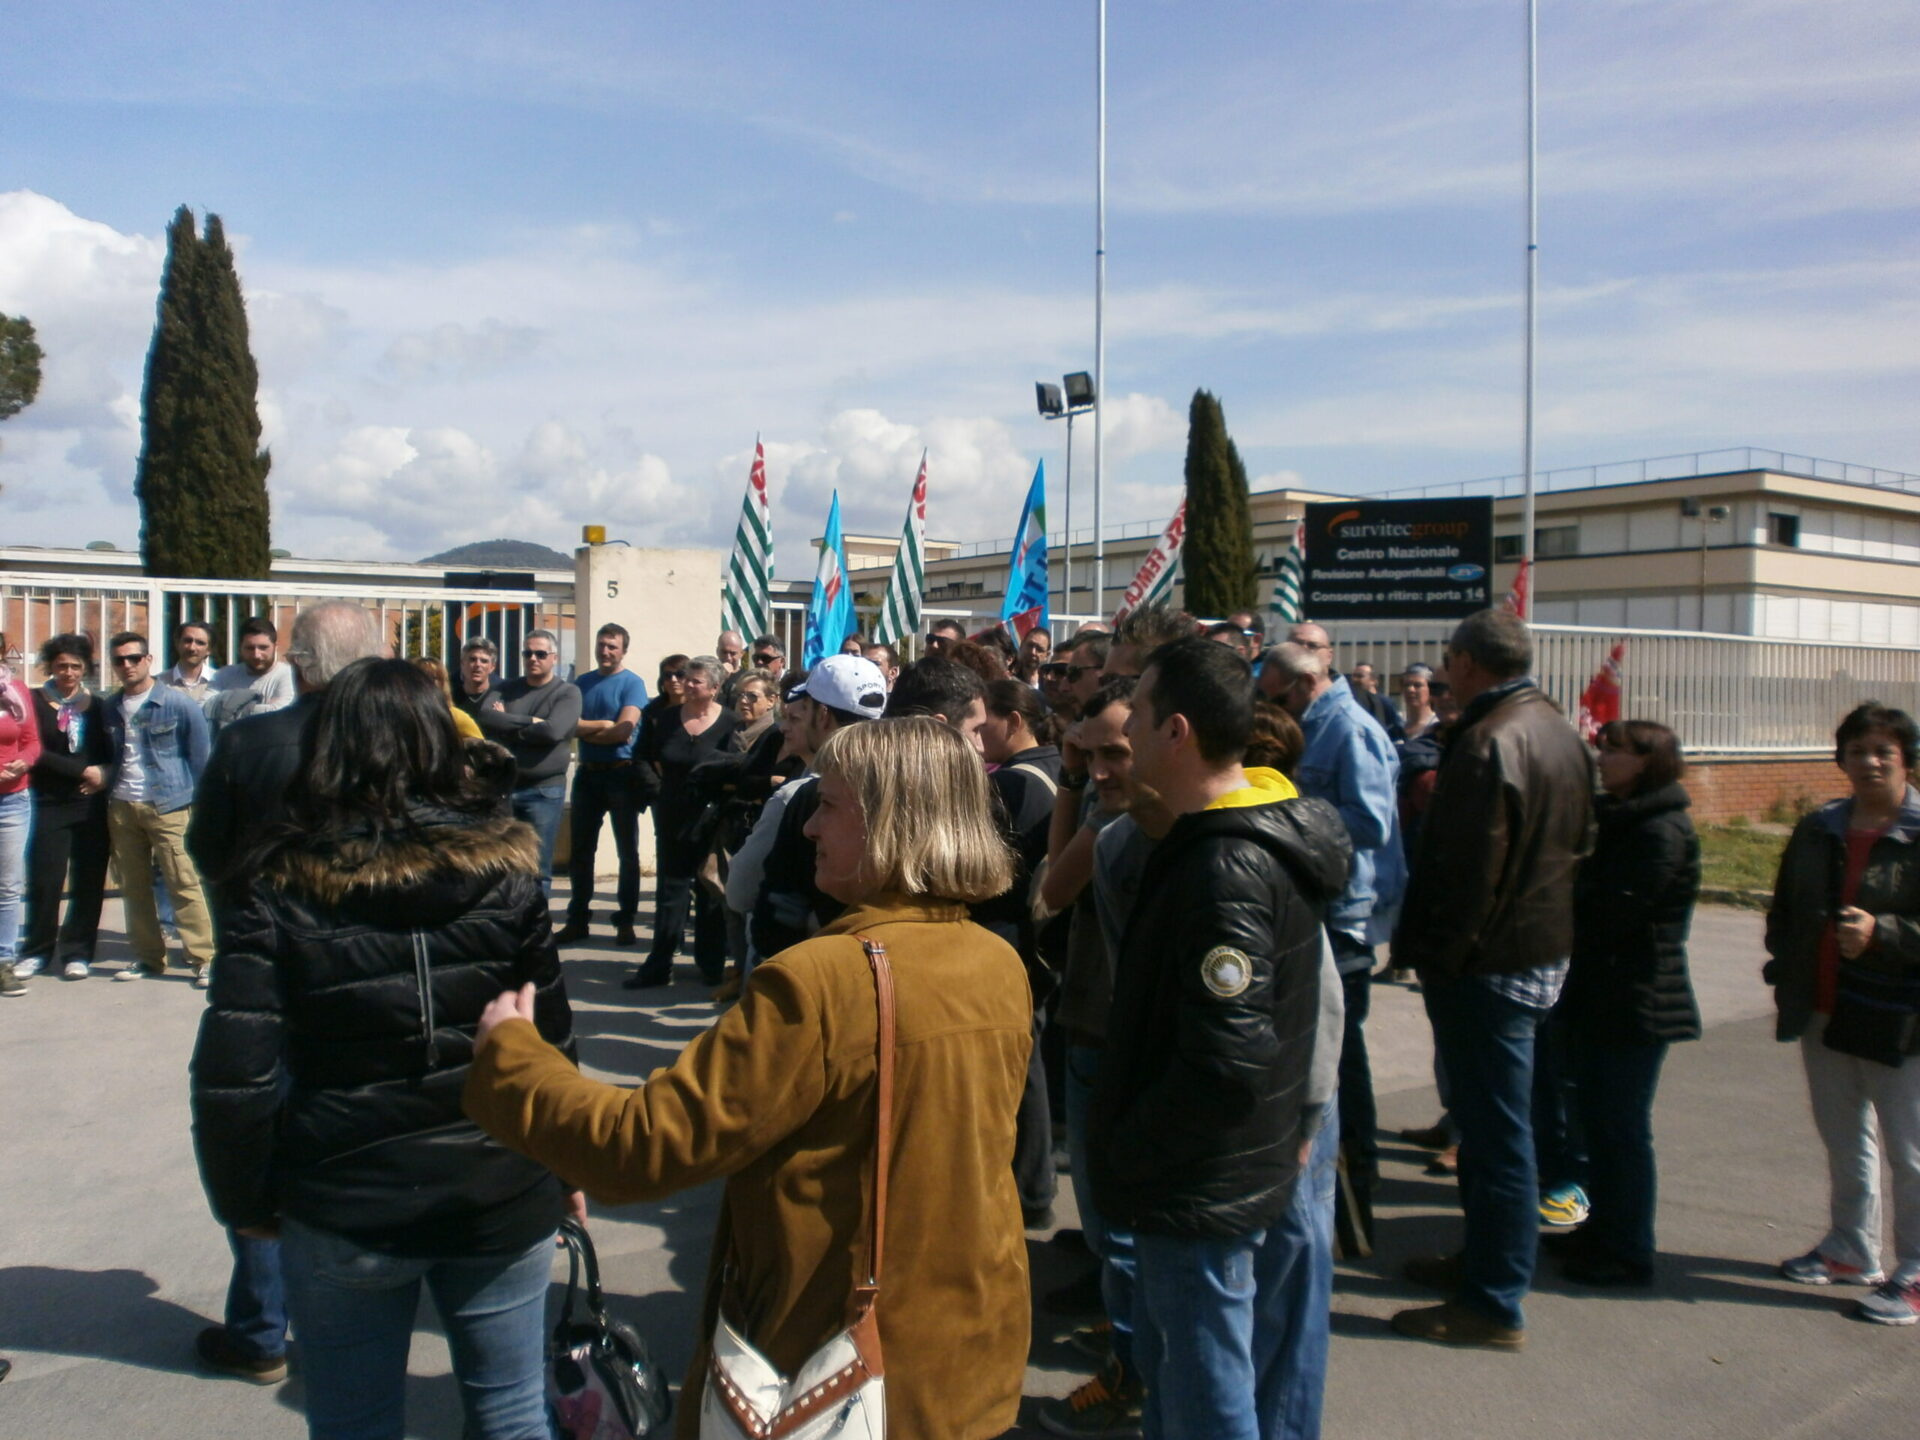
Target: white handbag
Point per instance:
(839, 1390)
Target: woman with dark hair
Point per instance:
(1278, 741)
(1844, 934)
(674, 741)
(1628, 995)
(70, 845)
(397, 899)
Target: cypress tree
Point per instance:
(1218, 553)
(202, 479)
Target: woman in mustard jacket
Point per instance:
(779, 1098)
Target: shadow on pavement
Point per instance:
(99, 1314)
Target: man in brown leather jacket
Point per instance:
(1488, 923)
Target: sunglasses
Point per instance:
(535, 654)
(673, 674)
(764, 660)
(1055, 670)
(129, 659)
(1074, 672)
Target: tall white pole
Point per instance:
(1066, 589)
(1099, 315)
(1533, 286)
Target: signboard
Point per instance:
(1398, 559)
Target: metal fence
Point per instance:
(418, 621)
(1722, 694)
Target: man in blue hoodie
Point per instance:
(1350, 763)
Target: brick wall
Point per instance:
(1726, 786)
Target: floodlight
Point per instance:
(1048, 398)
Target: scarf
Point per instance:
(12, 696)
(72, 719)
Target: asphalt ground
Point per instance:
(110, 1262)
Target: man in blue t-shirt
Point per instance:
(611, 699)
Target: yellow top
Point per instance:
(1263, 787)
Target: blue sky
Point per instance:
(513, 269)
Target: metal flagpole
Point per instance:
(1099, 314)
(1533, 286)
(1066, 604)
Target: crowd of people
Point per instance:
(1130, 897)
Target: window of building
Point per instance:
(1548, 541)
(1783, 529)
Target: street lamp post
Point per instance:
(1074, 395)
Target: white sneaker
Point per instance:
(77, 970)
(203, 980)
(28, 968)
(135, 971)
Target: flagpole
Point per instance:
(1099, 311)
(1533, 287)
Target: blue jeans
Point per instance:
(256, 1318)
(16, 824)
(540, 806)
(1305, 1303)
(1486, 1043)
(1114, 1247)
(1559, 1139)
(1220, 1334)
(1359, 1114)
(353, 1310)
(1615, 1085)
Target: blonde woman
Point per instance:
(779, 1097)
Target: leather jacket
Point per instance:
(1510, 820)
(1198, 1108)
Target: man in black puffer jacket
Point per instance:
(1200, 1122)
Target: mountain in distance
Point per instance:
(503, 555)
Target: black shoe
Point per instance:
(571, 933)
(1082, 1297)
(1606, 1270)
(6, 1368)
(1037, 1217)
(641, 980)
(623, 935)
(218, 1353)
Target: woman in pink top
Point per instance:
(19, 748)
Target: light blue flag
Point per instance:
(1026, 603)
(830, 612)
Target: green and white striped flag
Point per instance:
(745, 604)
(1289, 586)
(900, 616)
(1153, 583)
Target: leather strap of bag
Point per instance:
(883, 1080)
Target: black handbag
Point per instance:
(601, 1382)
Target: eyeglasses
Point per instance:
(536, 654)
(673, 674)
(129, 659)
(765, 660)
(1055, 670)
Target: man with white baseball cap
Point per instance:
(771, 877)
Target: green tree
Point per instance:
(1218, 553)
(19, 365)
(202, 479)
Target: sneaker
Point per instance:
(135, 971)
(203, 978)
(28, 968)
(218, 1352)
(77, 970)
(1564, 1208)
(10, 983)
(1894, 1303)
(1108, 1404)
(1094, 1341)
(1813, 1268)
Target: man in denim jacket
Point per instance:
(160, 747)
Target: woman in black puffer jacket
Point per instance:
(397, 900)
(1627, 995)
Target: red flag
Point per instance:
(1600, 701)
(1517, 597)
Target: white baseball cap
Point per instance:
(851, 683)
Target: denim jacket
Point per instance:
(171, 732)
(1349, 763)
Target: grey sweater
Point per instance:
(535, 724)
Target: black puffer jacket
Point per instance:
(327, 1077)
(1632, 907)
(1196, 1119)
